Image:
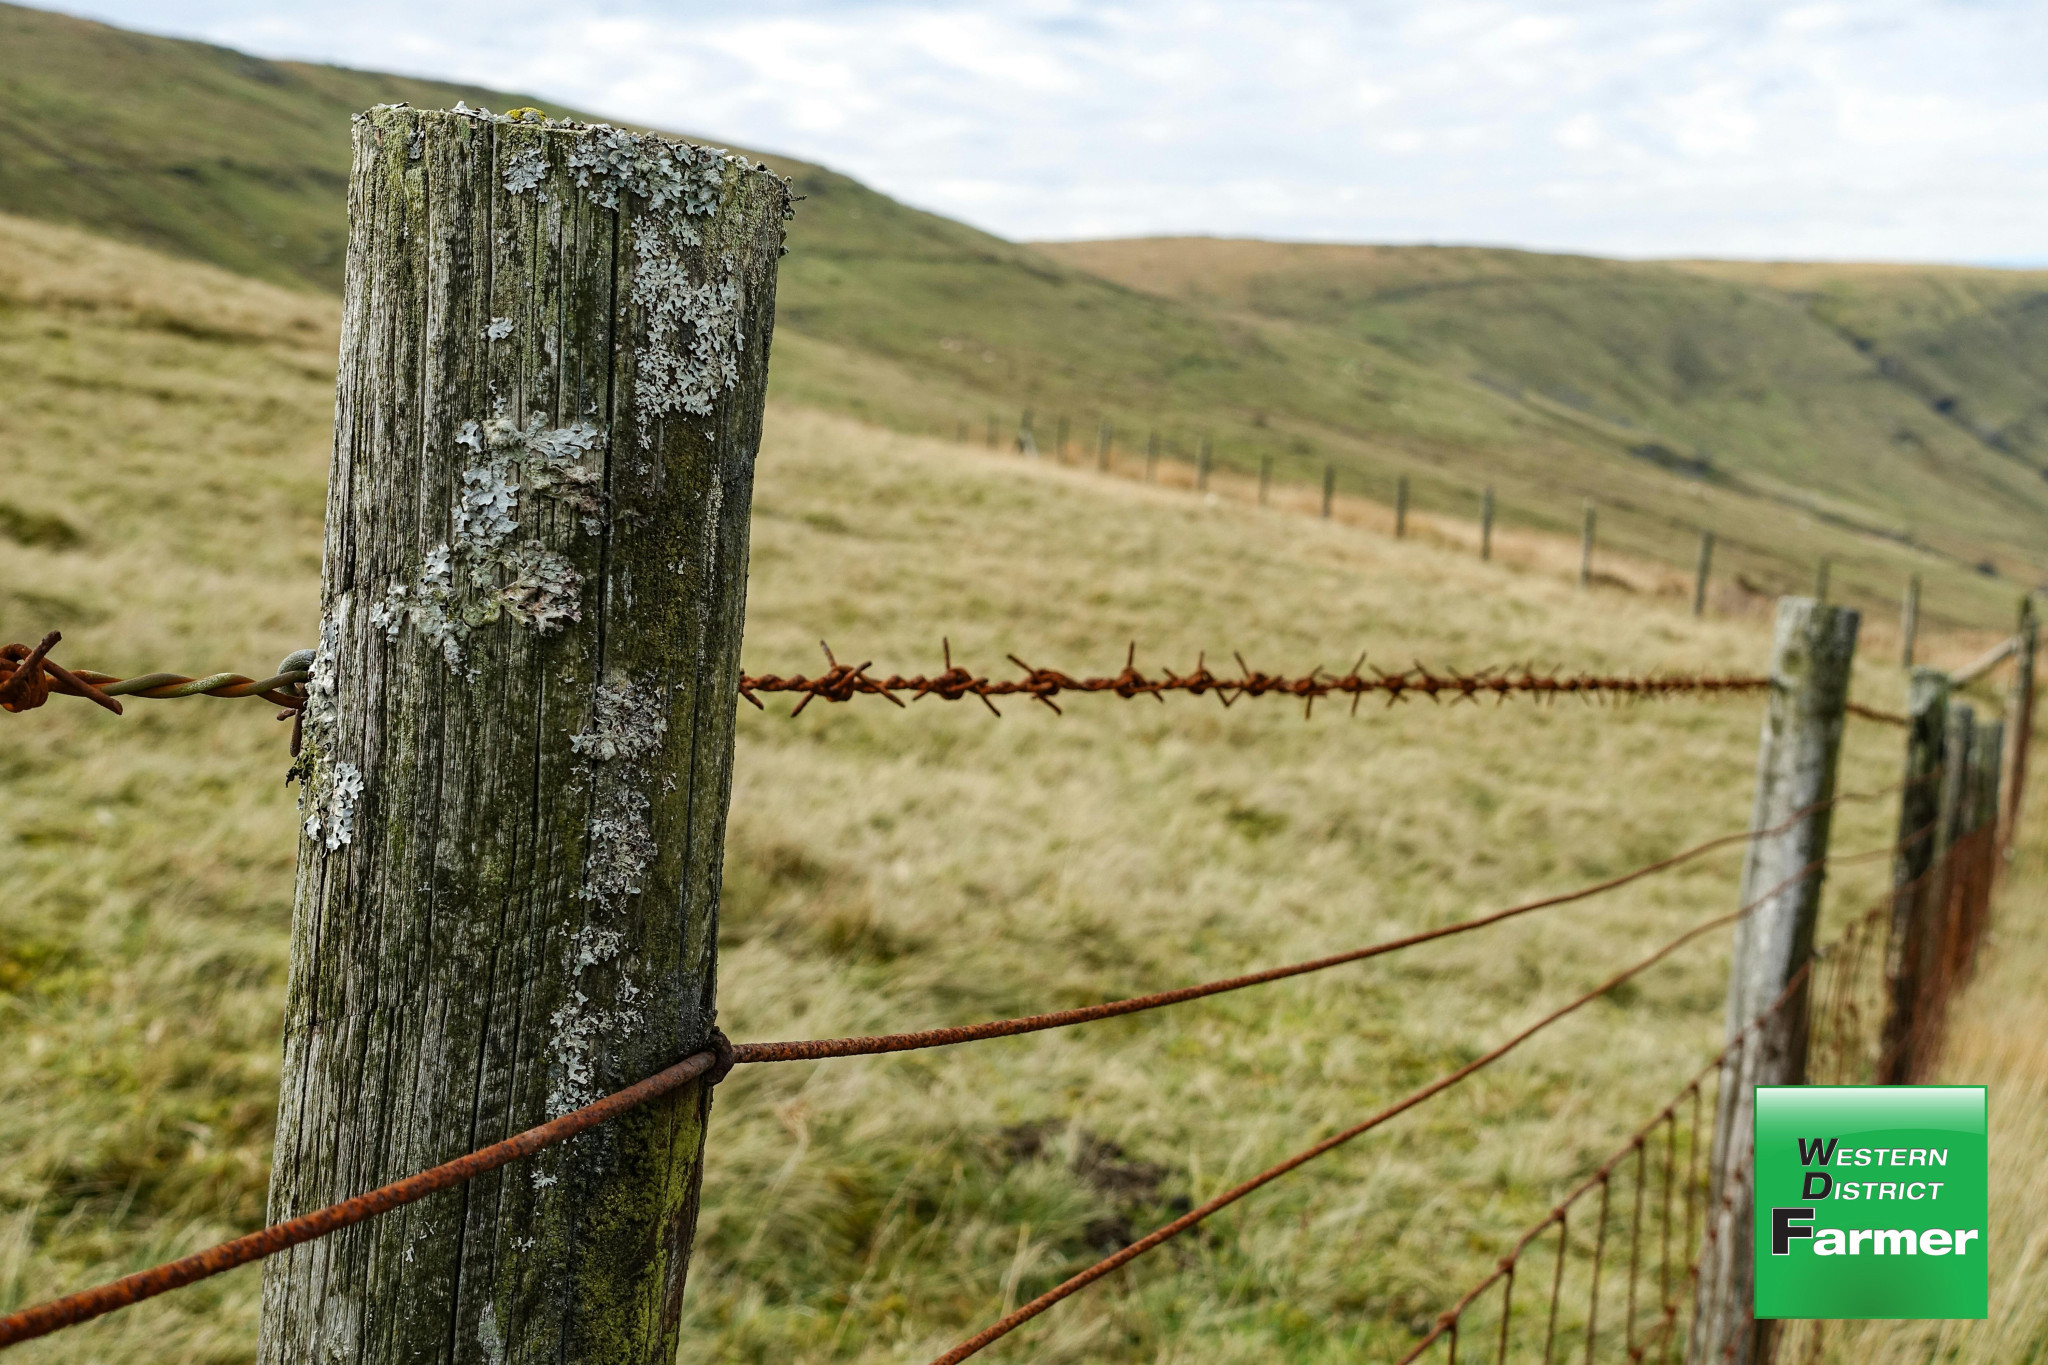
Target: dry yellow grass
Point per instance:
(888, 869)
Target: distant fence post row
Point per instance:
(1204, 462)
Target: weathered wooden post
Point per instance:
(1909, 620)
(2021, 711)
(1103, 436)
(1486, 523)
(1202, 467)
(1987, 767)
(1699, 577)
(1811, 655)
(519, 735)
(1401, 507)
(1027, 441)
(1908, 950)
(1329, 489)
(1265, 478)
(1586, 546)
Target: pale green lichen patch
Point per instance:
(525, 169)
(328, 790)
(610, 163)
(624, 734)
(488, 569)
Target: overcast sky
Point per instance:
(1898, 129)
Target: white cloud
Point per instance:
(1912, 129)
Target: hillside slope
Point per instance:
(1892, 422)
(164, 445)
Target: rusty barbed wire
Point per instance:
(841, 683)
(30, 677)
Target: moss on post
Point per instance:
(519, 740)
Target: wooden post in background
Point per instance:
(1586, 546)
(1027, 443)
(1811, 654)
(1329, 489)
(1909, 620)
(1202, 467)
(1908, 954)
(1265, 478)
(1987, 763)
(519, 734)
(2020, 712)
(1699, 578)
(1103, 436)
(1486, 523)
(1401, 507)
(1151, 456)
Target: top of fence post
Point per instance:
(1811, 656)
(2020, 733)
(519, 730)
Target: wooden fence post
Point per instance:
(518, 741)
(1202, 467)
(1699, 578)
(1265, 478)
(1907, 950)
(1027, 442)
(1103, 436)
(1486, 523)
(1909, 620)
(1401, 507)
(2021, 713)
(1329, 489)
(1586, 546)
(1811, 655)
(1987, 766)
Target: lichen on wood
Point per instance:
(518, 751)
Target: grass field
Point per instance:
(162, 455)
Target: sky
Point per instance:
(1879, 129)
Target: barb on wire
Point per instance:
(843, 682)
(30, 677)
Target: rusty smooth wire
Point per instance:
(817, 1049)
(1018, 1318)
(43, 1318)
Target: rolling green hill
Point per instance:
(1893, 419)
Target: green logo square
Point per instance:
(1872, 1201)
